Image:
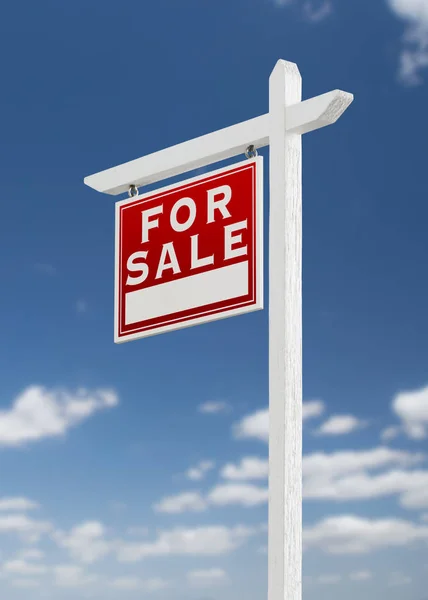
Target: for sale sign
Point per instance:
(190, 253)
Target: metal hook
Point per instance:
(133, 191)
(251, 151)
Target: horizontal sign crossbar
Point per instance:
(220, 145)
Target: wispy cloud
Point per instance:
(283, 2)
(340, 425)
(339, 476)
(136, 583)
(360, 576)
(17, 504)
(250, 467)
(200, 541)
(313, 10)
(352, 475)
(239, 494)
(85, 542)
(256, 425)
(45, 269)
(39, 413)
(329, 579)
(317, 11)
(350, 534)
(71, 575)
(81, 306)
(414, 55)
(390, 433)
(411, 407)
(24, 527)
(207, 577)
(180, 503)
(198, 472)
(23, 567)
(397, 578)
(214, 407)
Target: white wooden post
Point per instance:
(285, 340)
(281, 128)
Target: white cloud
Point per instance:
(316, 12)
(350, 534)
(127, 583)
(411, 486)
(414, 55)
(412, 409)
(322, 465)
(360, 576)
(256, 425)
(26, 528)
(250, 467)
(238, 493)
(22, 567)
(329, 579)
(39, 413)
(344, 476)
(207, 577)
(118, 507)
(213, 408)
(197, 473)
(31, 554)
(241, 494)
(413, 60)
(72, 576)
(390, 433)
(413, 10)
(338, 476)
(200, 541)
(17, 504)
(136, 583)
(45, 268)
(138, 531)
(81, 306)
(155, 584)
(398, 578)
(85, 542)
(185, 502)
(340, 425)
(312, 409)
(25, 583)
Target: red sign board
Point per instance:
(190, 253)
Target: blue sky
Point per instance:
(121, 464)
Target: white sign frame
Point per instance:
(288, 118)
(258, 251)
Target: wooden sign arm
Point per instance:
(220, 145)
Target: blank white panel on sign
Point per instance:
(184, 294)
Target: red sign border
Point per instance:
(256, 303)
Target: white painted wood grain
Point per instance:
(285, 340)
(222, 144)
